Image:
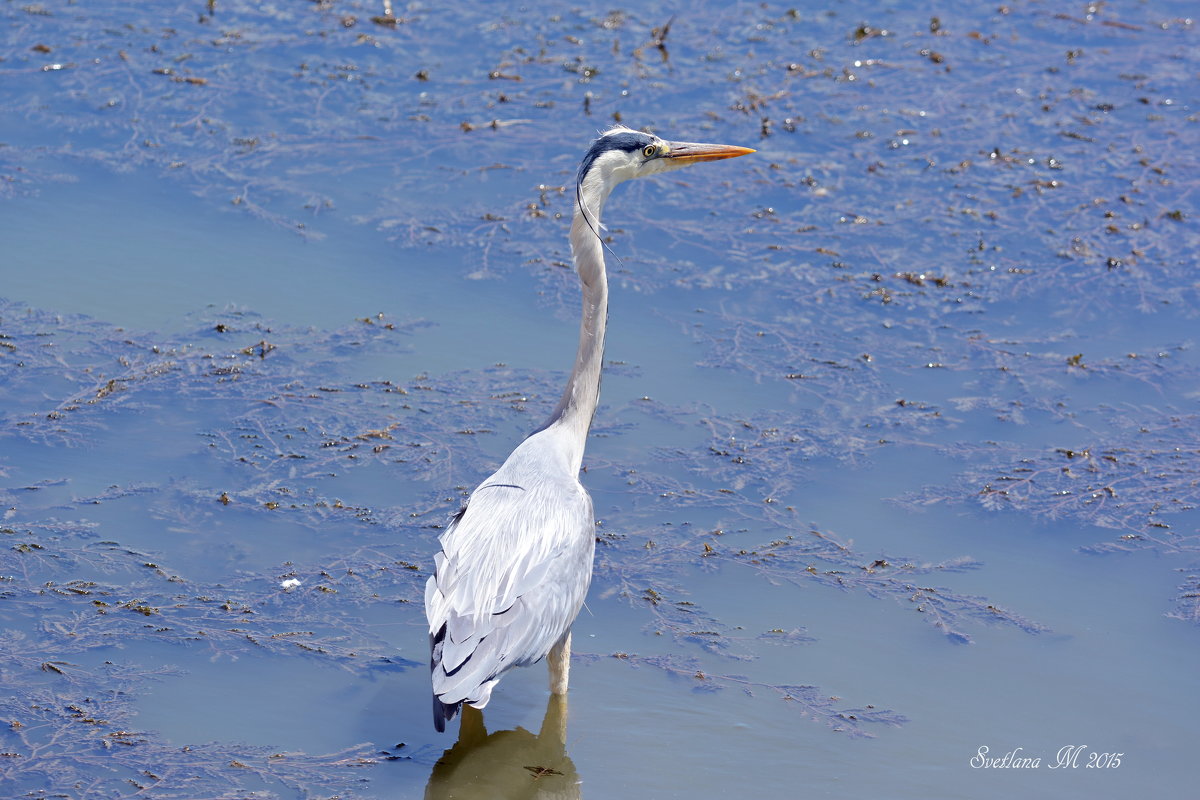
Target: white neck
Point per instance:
(573, 415)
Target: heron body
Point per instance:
(516, 562)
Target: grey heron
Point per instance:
(516, 561)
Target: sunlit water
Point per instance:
(154, 263)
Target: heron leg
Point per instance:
(559, 660)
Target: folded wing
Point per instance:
(511, 576)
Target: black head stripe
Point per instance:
(628, 141)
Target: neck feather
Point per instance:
(573, 416)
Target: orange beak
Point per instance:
(691, 152)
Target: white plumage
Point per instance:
(512, 574)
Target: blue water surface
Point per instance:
(895, 468)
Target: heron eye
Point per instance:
(649, 150)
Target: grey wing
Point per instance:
(510, 579)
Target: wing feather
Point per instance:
(510, 579)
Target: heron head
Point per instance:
(621, 154)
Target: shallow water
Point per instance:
(895, 458)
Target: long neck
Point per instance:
(573, 416)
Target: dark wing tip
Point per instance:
(442, 712)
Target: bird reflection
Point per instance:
(507, 764)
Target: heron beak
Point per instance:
(692, 152)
